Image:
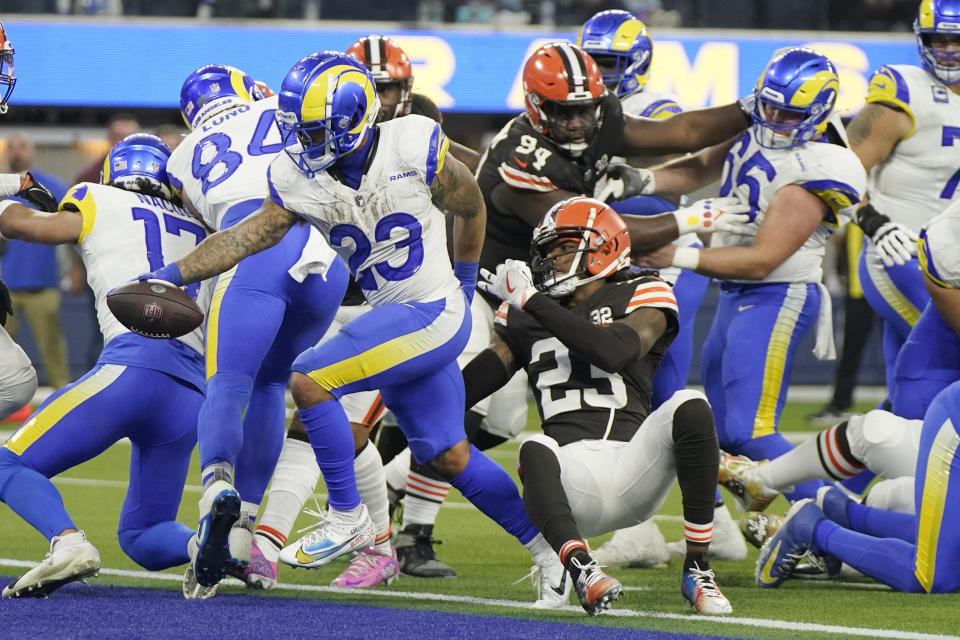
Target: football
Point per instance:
(154, 309)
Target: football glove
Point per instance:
(6, 303)
(895, 243)
(747, 105)
(512, 283)
(621, 181)
(36, 194)
(168, 273)
(713, 214)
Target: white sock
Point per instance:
(541, 550)
(424, 497)
(797, 465)
(248, 514)
(396, 470)
(293, 483)
(216, 471)
(372, 486)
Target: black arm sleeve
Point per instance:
(611, 348)
(482, 376)
(870, 220)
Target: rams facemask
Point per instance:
(795, 96)
(214, 88)
(327, 105)
(621, 47)
(7, 77)
(939, 17)
(138, 163)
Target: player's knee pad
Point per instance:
(692, 416)
(887, 444)
(893, 495)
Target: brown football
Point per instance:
(154, 309)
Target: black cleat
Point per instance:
(416, 556)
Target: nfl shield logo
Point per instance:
(152, 312)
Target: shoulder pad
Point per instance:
(80, 196)
(888, 86)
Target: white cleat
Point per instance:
(552, 584)
(70, 558)
(331, 537)
(641, 545)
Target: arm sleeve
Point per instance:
(611, 348)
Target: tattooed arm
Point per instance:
(222, 250)
(876, 131)
(455, 192)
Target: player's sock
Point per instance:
(216, 471)
(543, 496)
(372, 487)
(397, 469)
(159, 547)
(32, 496)
(696, 560)
(574, 549)
(332, 440)
(775, 446)
(881, 523)
(220, 422)
(294, 480)
(426, 491)
(889, 560)
(697, 454)
(827, 457)
(491, 489)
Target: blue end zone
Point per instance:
(92, 611)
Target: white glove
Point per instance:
(748, 104)
(713, 214)
(895, 244)
(512, 283)
(621, 181)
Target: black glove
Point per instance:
(6, 304)
(37, 195)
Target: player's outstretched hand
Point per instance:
(512, 283)
(713, 214)
(168, 273)
(896, 244)
(36, 194)
(621, 181)
(6, 303)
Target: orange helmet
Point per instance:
(560, 82)
(7, 77)
(388, 64)
(265, 90)
(602, 245)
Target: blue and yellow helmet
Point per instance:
(327, 104)
(943, 17)
(214, 88)
(7, 78)
(138, 157)
(619, 41)
(801, 82)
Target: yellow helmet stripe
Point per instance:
(925, 16)
(626, 34)
(319, 96)
(809, 90)
(236, 81)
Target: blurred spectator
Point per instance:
(171, 134)
(576, 12)
(119, 126)
(33, 277)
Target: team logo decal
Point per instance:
(152, 311)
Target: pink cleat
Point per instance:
(368, 569)
(261, 573)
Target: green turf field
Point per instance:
(489, 561)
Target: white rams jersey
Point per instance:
(125, 234)
(651, 104)
(754, 174)
(389, 232)
(920, 177)
(938, 244)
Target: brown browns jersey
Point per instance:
(577, 400)
(527, 160)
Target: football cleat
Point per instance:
(71, 558)
(699, 588)
(595, 589)
(758, 527)
(817, 567)
(727, 543)
(330, 538)
(780, 554)
(552, 584)
(219, 509)
(834, 502)
(415, 554)
(193, 590)
(641, 545)
(369, 568)
(261, 573)
(739, 475)
(239, 541)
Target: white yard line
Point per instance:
(516, 604)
